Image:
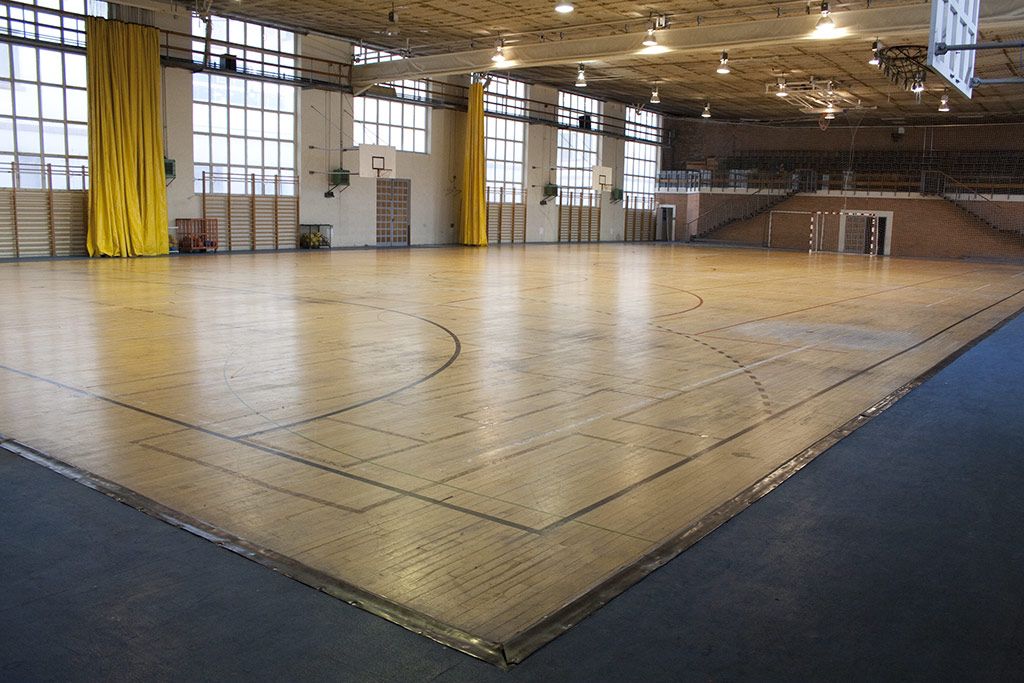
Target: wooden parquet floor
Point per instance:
(480, 444)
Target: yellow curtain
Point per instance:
(473, 221)
(127, 195)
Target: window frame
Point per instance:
(641, 154)
(44, 119)
(577, 151)
(232, 116)
(386, 120)
(505, 135)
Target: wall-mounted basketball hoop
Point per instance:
(377, 161)
(950, 53)
(601, 179)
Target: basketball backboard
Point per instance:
(602, 181)
(376, 161)
(954, 22)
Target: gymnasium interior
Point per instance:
(521, 340)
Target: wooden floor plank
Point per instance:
(481, 437)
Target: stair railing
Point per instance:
(969, 199)
(773, 191)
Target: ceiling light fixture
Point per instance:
(830, 109)
(829, 116)
(654, 96)
(723, 63)
(944, 103)
(782, 90)
(706, 114)
(581, 77)
(918, 85)
(650, 40)
(875, 61)
(565, 7)
(499, 52)
(826, 24)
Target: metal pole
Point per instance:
(1017, 80)
(943, 48)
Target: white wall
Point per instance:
(541, 157)
(322, 136)
(613, 151)
(325, 120)
(325, 127)
(182, 201)
(541, 142)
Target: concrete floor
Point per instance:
(897, 554)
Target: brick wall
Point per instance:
(691, 207)
(1008, 216)
(920, 227)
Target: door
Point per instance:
(393, 211)
(666, 223)
(883, 227)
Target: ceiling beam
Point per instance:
(856, 24)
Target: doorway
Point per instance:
(666, 223)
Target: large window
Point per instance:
(578, 149)
(641, 168)
(394, 122)
(49, 26)
(244, 127)
(504, 138)
(43, 103)
(256, 49)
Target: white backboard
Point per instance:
(954, 22)
(376, 161)
(602, 181)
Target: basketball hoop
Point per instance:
(601, 179)
(905, 65)
(377, 161)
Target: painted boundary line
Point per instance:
(516, 649)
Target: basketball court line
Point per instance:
(940, 301)
(393, 611)
(510, 648)
(839, 301)
(636, 407)
(560, 621)
(265, 449)
(788, 409)
(447, 364)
